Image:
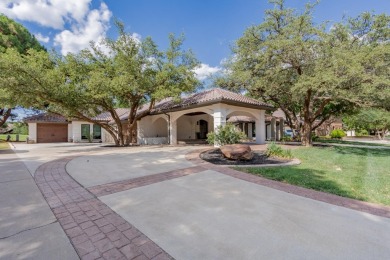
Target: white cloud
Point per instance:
(204, 71)
(49, 13)
(77, 23)
(42, 38)
(93, 28)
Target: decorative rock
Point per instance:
(237, 152)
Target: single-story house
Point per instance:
(168, 123)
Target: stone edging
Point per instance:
(93, 228)
(375, 209)
(290, 163)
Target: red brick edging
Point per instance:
(375, 209)
(113, 187)
(95, 230)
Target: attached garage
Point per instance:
(52, 133)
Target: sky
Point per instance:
(210, 26)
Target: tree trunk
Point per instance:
(306, 134)
(4, 115)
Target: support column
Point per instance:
(173, 131)
(277, 133)
(243, 128)
(260, 128)
(281, 127)
(219, 119)
(273, 129)
(250, 131)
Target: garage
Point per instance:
(52, 133)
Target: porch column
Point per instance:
(260, 128)
(243, 128)
(219, 117)
(277, 132)
(250, 131)
(281, 127)
(173, 131)
(273, 129)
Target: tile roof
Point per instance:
(240, 119)
(214, 95)
(46, 117)
(106, 116)
(210, 96)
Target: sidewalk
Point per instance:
(28, 228)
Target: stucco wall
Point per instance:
(32, 132)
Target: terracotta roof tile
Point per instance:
(106, 116)
(212, 95)
(47, 117)
(240, 119)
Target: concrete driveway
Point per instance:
(208, 215)
(197, 213)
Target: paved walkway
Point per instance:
(196, 211)
(28, 228)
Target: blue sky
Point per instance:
(210, 26)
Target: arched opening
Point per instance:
(194, 127)
(244, 122)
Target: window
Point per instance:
(97, 132)
(85, 131)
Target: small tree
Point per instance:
(227, 134)
(370, 119)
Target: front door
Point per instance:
(203, 129)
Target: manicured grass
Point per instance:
(22, 138)
(3, 145)
(358, 173)
(335, 141)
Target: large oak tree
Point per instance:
(310, 71)
(13, 35)
(126, 72)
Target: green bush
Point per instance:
(337, 134)
(361, 132)
(275, 150)
(227, 134)
(286, 138)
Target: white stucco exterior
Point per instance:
(184, 124)
(32, 132)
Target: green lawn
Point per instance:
(359, 173)
(335, 141)
(22, 138)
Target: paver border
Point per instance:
(94, 229)
(372, 208)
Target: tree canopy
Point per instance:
(126, 72)
(310, 71)
(369, 119)
(13, 35)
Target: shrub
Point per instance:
(227, 134)
(361, 132)
(277, 151)
(337, 134)
(286, 138)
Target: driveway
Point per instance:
(194, 212)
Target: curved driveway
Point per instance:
(197, 212)
(209, 215)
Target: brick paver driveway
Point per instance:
(152, 203)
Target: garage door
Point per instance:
(52, 133)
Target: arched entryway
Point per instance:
(194, 127)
